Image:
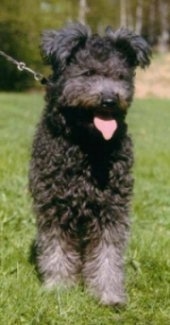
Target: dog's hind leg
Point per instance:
(58, 262)
(103, 269)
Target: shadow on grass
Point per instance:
(33, 259)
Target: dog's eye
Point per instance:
(121, 76)
(88, 73)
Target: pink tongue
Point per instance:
(106, 127)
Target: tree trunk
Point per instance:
(130, 16)
(123, 13)
(139, 17)
(83, 9)
(152, 19)
(164, 34)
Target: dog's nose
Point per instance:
(109, 102)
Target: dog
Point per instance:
(80, 174)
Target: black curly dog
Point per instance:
(80, 173)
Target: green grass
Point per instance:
(23, 300)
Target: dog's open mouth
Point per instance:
(107, 127)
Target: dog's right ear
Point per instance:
(134, 47)
(58, 45)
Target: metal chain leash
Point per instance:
(21, 66)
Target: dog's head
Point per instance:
(93, 76)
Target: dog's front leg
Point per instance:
(58, 262)
(103, 268)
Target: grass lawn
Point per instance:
(23, 300)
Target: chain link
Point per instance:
(21, 66)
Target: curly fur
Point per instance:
(81, 183)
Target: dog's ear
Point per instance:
(58, 45)
(136, 49)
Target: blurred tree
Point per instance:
(102, 13)
(151, 24)
(164, 26)
(123, 13)
(83, 9)
(18, 35)
(139, 16)
(21, 23)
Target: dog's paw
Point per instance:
(113, 300)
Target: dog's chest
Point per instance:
(90, 187)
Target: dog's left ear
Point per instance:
(58, 45)
(134, 47)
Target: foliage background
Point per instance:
(22, 21)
